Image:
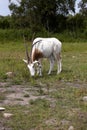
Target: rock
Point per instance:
(52, 122)
(10, 74)
(64, 122)
(7, 115)
(2, 108)
(71, 128)
(85, 98)
(73, 56)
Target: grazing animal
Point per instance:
(44, 48)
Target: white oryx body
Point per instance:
(45, 48)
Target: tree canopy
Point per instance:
(39, 13)
(50, 15)
(83, 7)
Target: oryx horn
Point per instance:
(28, 58)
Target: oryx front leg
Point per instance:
(39, 68)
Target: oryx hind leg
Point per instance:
(59, 64)
(52, 60)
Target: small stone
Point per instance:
(7, 115)
(9, 74)
(2, 108)
(71, 128)
(73, 56)
(85, 98)
(64, 122)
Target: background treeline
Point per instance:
(45, 18)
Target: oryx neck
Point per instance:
(33, 45)
(36, 42)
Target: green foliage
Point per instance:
(4, 22)
(35, 15)
(75, 23)
(15, 35)
(83, 7)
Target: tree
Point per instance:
(75, 24)
(83, 7)
(36, 14)
(83, 12)
(4, 22)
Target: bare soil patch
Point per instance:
(23, 94)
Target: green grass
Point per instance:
(74, 60)
(63, 106)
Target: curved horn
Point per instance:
(33, 37)
(32, 42)
(28, 58)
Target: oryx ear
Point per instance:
(25, 61)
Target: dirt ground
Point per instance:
(22, 94)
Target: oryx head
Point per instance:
(30, 64)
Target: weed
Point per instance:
(26, 95)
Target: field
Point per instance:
(54, 102)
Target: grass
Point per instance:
(63, 105)
(73, 53)
(73, 58)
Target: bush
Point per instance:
(17, 35)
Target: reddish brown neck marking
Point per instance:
(36, 55)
